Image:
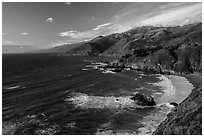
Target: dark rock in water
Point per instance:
(174, 104)
(143, 100)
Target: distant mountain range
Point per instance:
(129, 42)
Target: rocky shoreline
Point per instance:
(185, 117)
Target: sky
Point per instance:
(27, 26)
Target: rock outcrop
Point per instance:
(143, 100)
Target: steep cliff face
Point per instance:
(186, 118)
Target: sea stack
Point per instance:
(143, 100)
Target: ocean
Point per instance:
(67, 95)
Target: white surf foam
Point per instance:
(167, 87)
(108, 71)
(138, 78)
(84, 101)
(13, 87)
(85, 69)
(152, 121)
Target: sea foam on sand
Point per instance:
(175, 88)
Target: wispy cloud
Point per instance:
(69, 33)
(24, 33)
(73, 36)
(162, 13)
(176, 16)
(4, 42)
(98, 30)
(139, 14)
(68, 3)
(101, 26)
(171, 4)
(50, 20)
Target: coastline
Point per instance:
(186, 118)
(176, 89)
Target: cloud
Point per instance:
(70, 33)
(24, 33)
(102, 29)
(176, 16)
(73, 36)
(164, 14)
(101, 26)
(50, 20)
(139, 14)
(4, 42)
(68, 3)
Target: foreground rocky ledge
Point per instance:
(186, 118)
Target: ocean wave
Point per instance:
(108, 71)
(138, 78)
(168, 88)
(89, 61)
(144, 88)
(106, 129)
(14, 87)
(85, 69)
(99, 63)
(151, 122)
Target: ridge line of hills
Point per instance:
(155, 49)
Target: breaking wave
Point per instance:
(151, 122)
(168, 89)
(13, 87)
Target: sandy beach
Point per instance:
(182, 87)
